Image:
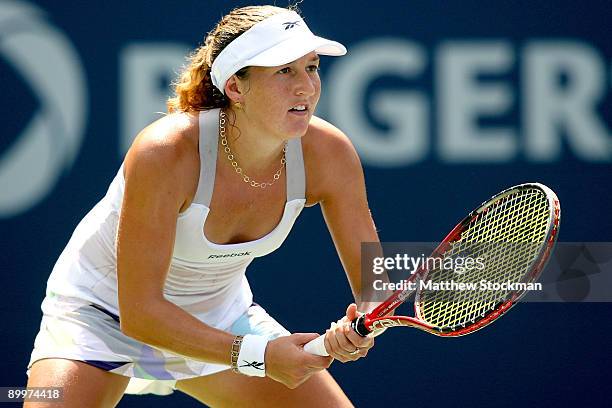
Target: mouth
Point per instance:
(300, 109)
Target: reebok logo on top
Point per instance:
(230, 255)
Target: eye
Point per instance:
(313, 68)
(285, 70)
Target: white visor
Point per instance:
(277, 40)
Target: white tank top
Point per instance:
(206, 279)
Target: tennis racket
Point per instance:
(514, 232)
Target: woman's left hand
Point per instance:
(343, 343)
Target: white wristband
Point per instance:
(251, 360)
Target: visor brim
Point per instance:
(294, 48)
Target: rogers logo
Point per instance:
(33, 162)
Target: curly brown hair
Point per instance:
(193, 89)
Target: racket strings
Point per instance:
(507, 235)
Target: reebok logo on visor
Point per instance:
(291, 24)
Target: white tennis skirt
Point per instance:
(79, 330)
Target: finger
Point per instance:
(361, 344)
(359, 341)
(351, 312)
(303, 338)
(317, 363)
(331, 349)
(343, 341)
(334, 348)
(348, 350)
(359, 353)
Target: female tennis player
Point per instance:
(150, 293)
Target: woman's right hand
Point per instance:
(289, 364)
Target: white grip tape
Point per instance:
(316, 346)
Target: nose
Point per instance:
(305, 85)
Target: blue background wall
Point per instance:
(90, 75)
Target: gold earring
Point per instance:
(238, 105)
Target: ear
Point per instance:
(234, 89)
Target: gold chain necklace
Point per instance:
(237, 168)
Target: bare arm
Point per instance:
(342, 196)
(156, 173)
(347, 215)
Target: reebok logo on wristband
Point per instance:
(251, 355)
(255, 364)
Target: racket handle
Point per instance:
(317, 346)
(359, 326)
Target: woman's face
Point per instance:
(281, 100)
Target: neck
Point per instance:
(256, 151)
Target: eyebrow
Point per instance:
(315, 59)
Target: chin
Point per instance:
(298, 131)
(298, 128)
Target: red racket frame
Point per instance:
(377, 318)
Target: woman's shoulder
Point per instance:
(171, 141)
(329, 157)
(167, 149)
(324, 141)
(173, 133)
(323, 134)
